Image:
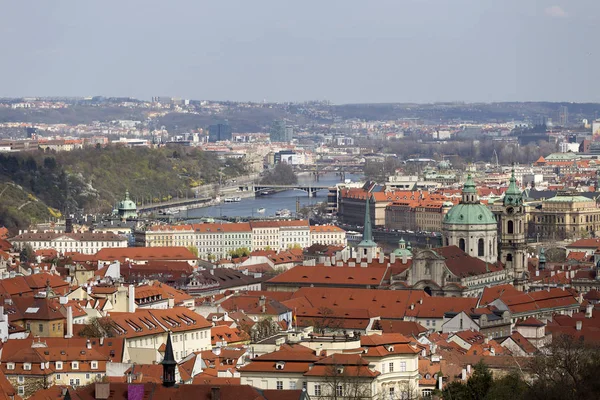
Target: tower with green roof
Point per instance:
(471, 226)
(513, 246)
(367, 247)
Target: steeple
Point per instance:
(469, 192)
(513, 195)
(169, 364)
(542, 260)
(367, 240)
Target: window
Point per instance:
(94, 364)
(461, 244)
(427, 393)
(391, 392)
(41, 327)
(480, 248)
(279, 385)
(27, 367)
(87, 376)
(58, 377)
(292, 385)
(317, 389)
(304, 385)
(21, 390)
(510, 227)
(77, 381)
(75, 365)
(20, 379)
(339, 390)
(10, 366)
(391, 367)
(402, 366)
(59, 365)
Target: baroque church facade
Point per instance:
(469, 261)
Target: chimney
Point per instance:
(344, 256)
(440, 382)
(363, 264)
(578, 325)
(381, 257)
(69, 334)
(351, 264)
(332, 260)
(369, 257)
(339, 264)
(102, 391)
(392, 258)
(468, 368)
(88, 344)
(215, 393)
(358, 257)
(589, 309)
(131, 299)
(327, 262)
(463, 374)
(404, 258)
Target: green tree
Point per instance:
(27, 255)
(282, 174)
(194, 250)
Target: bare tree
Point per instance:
(327, 321)
(345, 382)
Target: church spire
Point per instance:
(169, 364)
(469, 192)
(367, 240)
(513, 195)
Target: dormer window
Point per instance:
(59, 365)
(75, 365)
(94, 364)
(10, 366)
(27, 366)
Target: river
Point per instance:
(248, 207)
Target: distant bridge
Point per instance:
(311, 190)
(173, 204)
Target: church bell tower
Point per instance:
(513, 246)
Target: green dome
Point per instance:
(127, 204)
(470, 214)
(402, 252)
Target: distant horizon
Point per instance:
(4, 98)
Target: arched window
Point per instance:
(461, 244)
(510, 227)
(480, 248)
(447, 242)
(508, 257)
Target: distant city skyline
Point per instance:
(387, 51)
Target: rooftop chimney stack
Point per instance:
(69, 334)
(392, 258)
(578, 325)
(131, 299)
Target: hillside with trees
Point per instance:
(95, 179)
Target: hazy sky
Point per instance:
(346, 51)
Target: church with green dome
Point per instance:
(471, 226)
(126, 209)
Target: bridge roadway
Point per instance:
(173, 204)
(311, 190)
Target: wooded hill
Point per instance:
(95, 179)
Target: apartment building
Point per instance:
(83, 242)
(217, 240)
(382, 366)
(145, 333)
(327, 235)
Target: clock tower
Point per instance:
(513, 247)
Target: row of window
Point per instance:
(58, 365)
